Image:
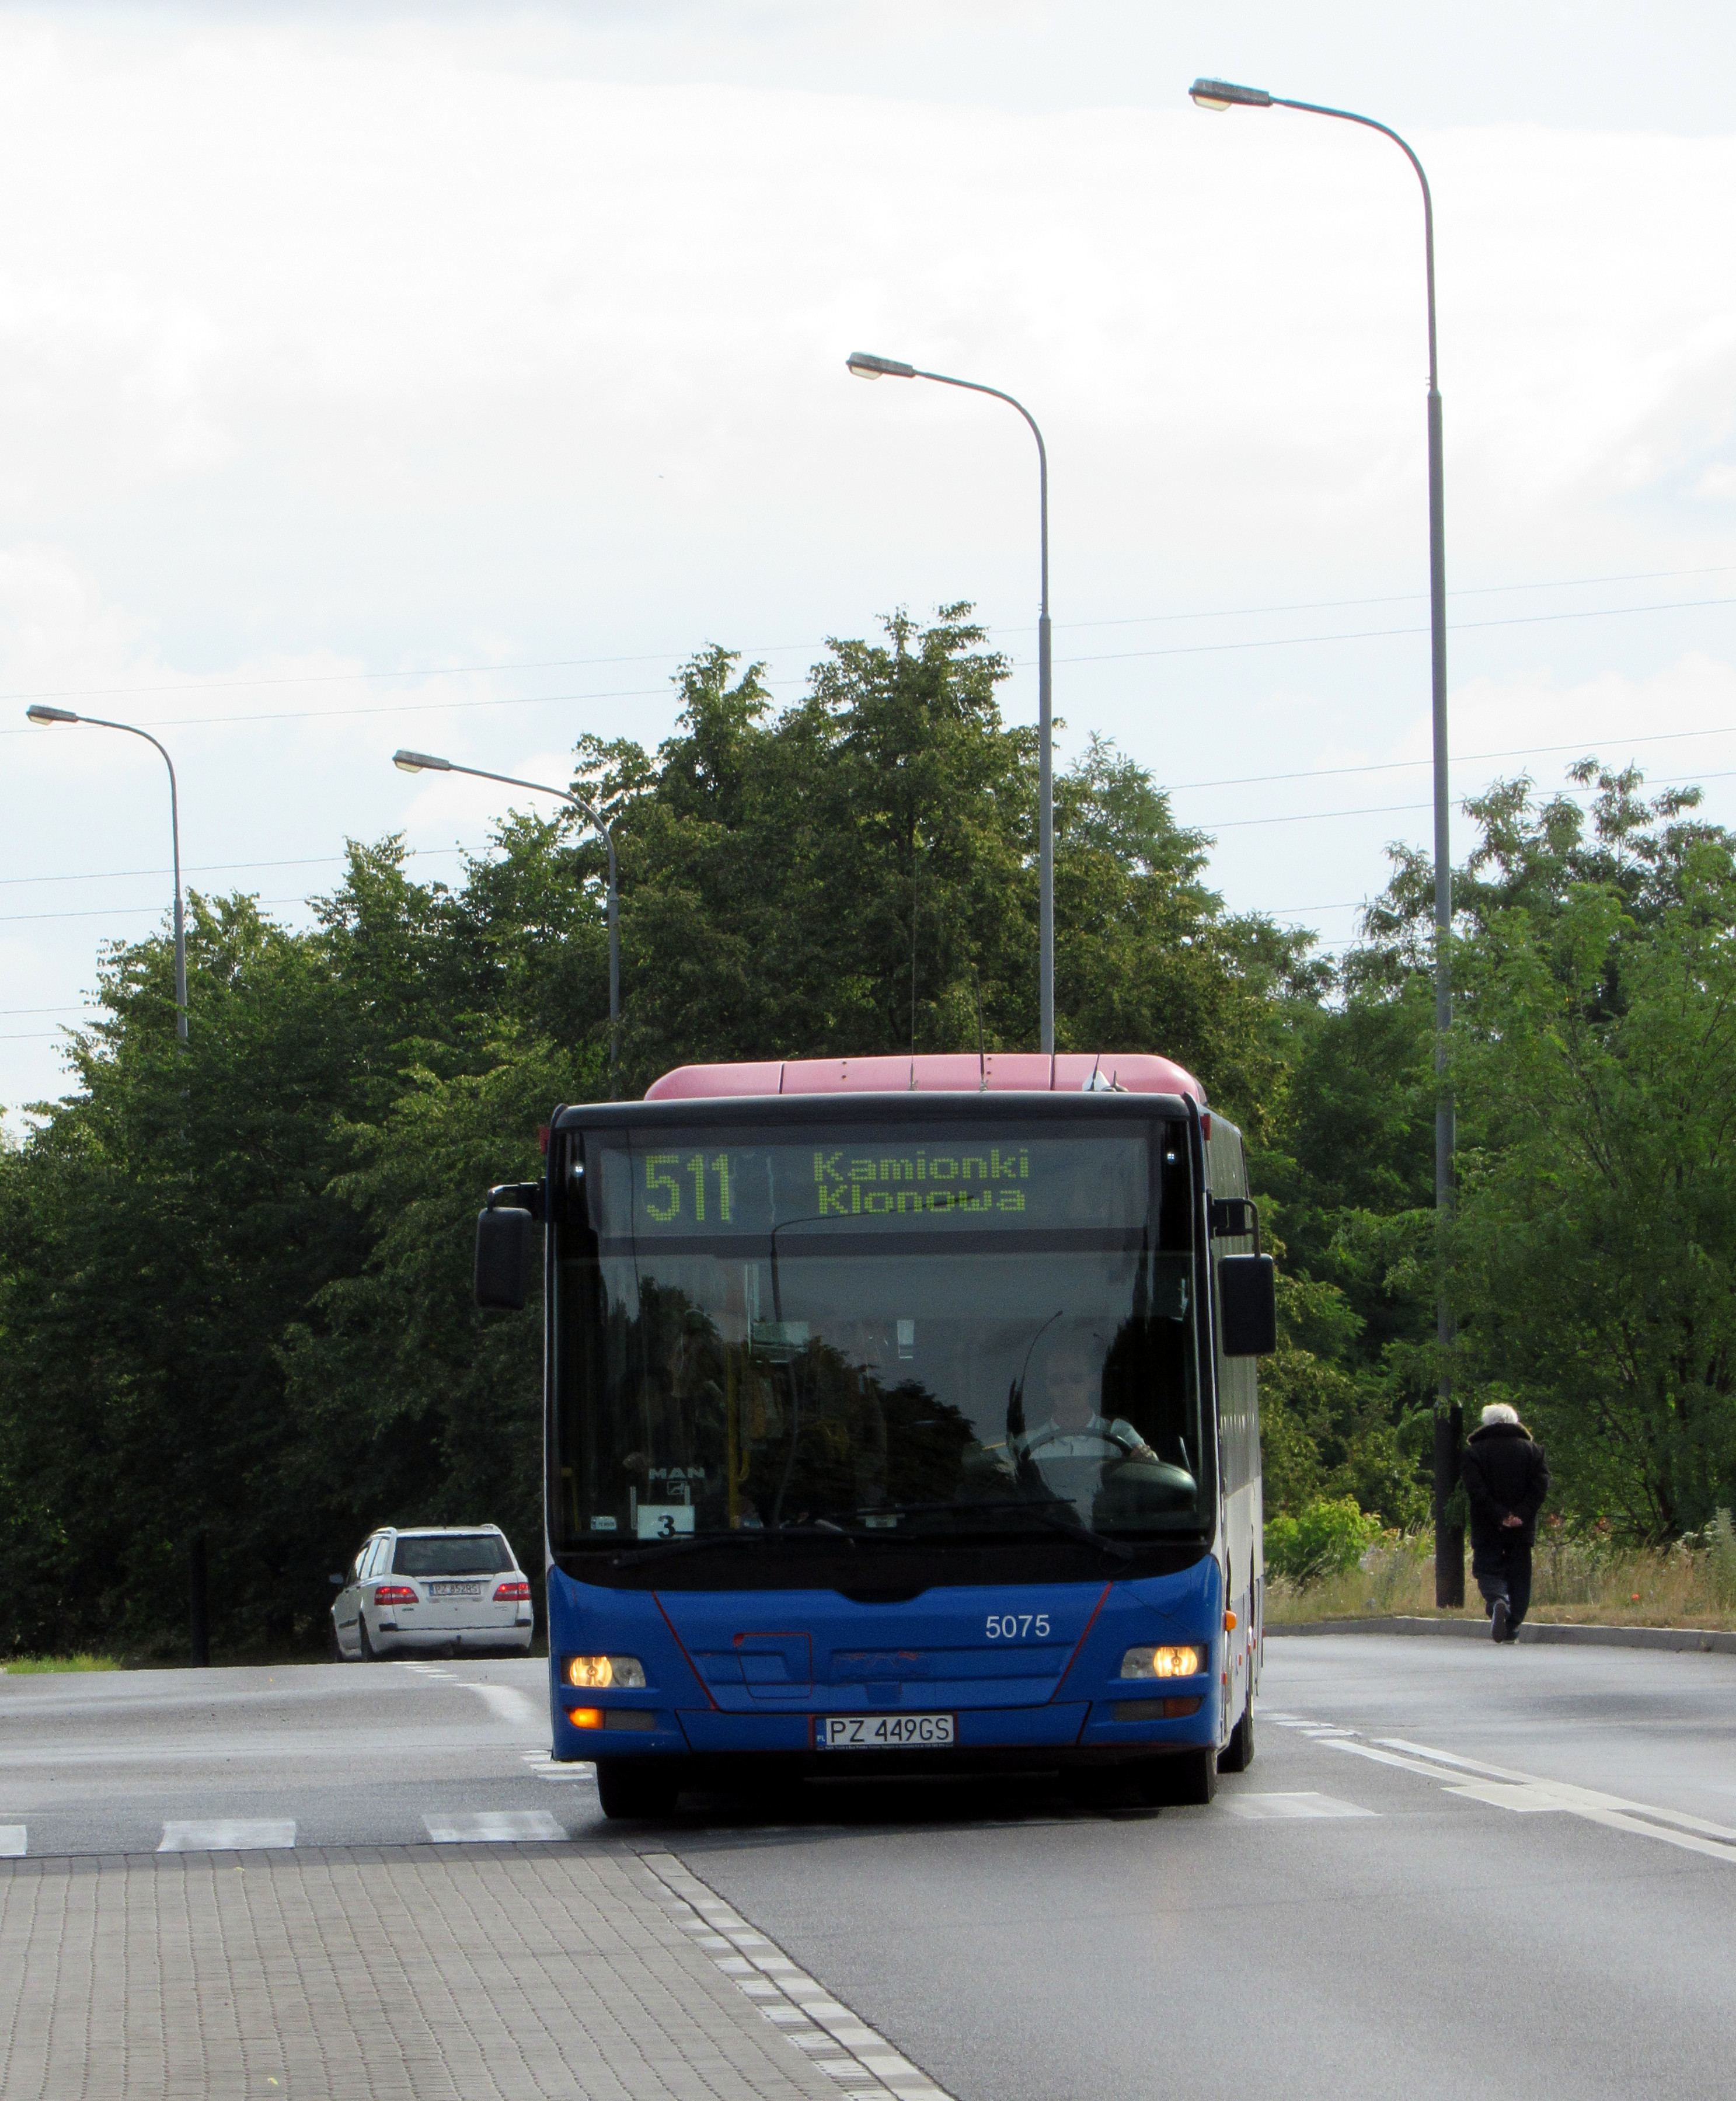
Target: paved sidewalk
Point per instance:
(455, 1974)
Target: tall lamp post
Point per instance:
(199, 1640)
(1449, 1541)
(866, 366)
(422, 762)
(45, 716)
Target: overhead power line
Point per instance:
(1396, 809)
(1220, 824)
(1459, 759)
(783, 648)
(1115, 657)
(1202, 825)
(1180, 649)
(1387, 634)
(220, 868)
(120, 911)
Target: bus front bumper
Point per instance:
(1074, 1732)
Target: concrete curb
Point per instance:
(1688, 1641)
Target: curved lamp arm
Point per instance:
(40, 714)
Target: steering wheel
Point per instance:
(1121, 1448)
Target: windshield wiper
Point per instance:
(1046, 1511)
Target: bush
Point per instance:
(1329, 1538)
(1720, 1556)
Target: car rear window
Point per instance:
(452, 1553)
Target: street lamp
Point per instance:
(867, 366)
(198, 1627)
(1449, 1564)
(45, 716)
(422, 762)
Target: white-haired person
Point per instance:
(1506, 1477)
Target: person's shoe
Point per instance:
(1499, 1617)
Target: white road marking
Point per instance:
(1500, 1787)
(1388, 1758)
(12, 1838)
(835, 2040)
(228, 1834)
(485, 1827)
(1678, 1817)
(1258, 1807)
(510, 1706)
(544, 1766)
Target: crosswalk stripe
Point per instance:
(485, 1827)
(1261, 1807)
(545, 1767)
(12, 1838)
(228, 1834)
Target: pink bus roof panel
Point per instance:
(957, 1072)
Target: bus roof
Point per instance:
(955, 1072)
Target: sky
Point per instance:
(447, 375)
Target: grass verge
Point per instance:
(22, 1666)
(1586, 1580)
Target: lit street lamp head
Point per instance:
(39, 713)
(1225, 95)
(420, 762)
(867, 366)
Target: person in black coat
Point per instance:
(1506, 1477)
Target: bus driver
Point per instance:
(1076, 1443)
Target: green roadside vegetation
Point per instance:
(25, 1666)
(1591, 1575)
(234, 1284)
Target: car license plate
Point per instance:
(455, 1589)
(881, 1732)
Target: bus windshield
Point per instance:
(950, 1333)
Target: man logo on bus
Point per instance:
(921, 1183)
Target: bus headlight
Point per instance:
(597, 1670)
(1185, 1662)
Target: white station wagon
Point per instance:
(456, 1587)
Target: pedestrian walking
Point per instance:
(1506, 1477)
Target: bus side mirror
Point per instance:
(1248, 1304)
(503, 1259)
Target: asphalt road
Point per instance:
(345, 1754)
(1452, 1868)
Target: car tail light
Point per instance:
(508, 1592)
(395, 1593)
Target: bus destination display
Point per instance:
(887, 1182)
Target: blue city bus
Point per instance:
(900, 1416)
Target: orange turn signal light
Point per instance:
(1230, 1623)
(585, 1718)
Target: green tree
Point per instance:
(1593, 1256)
(233, 1282)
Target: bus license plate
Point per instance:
(455, 1589)
(881, 1732)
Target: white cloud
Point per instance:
(334, 346)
